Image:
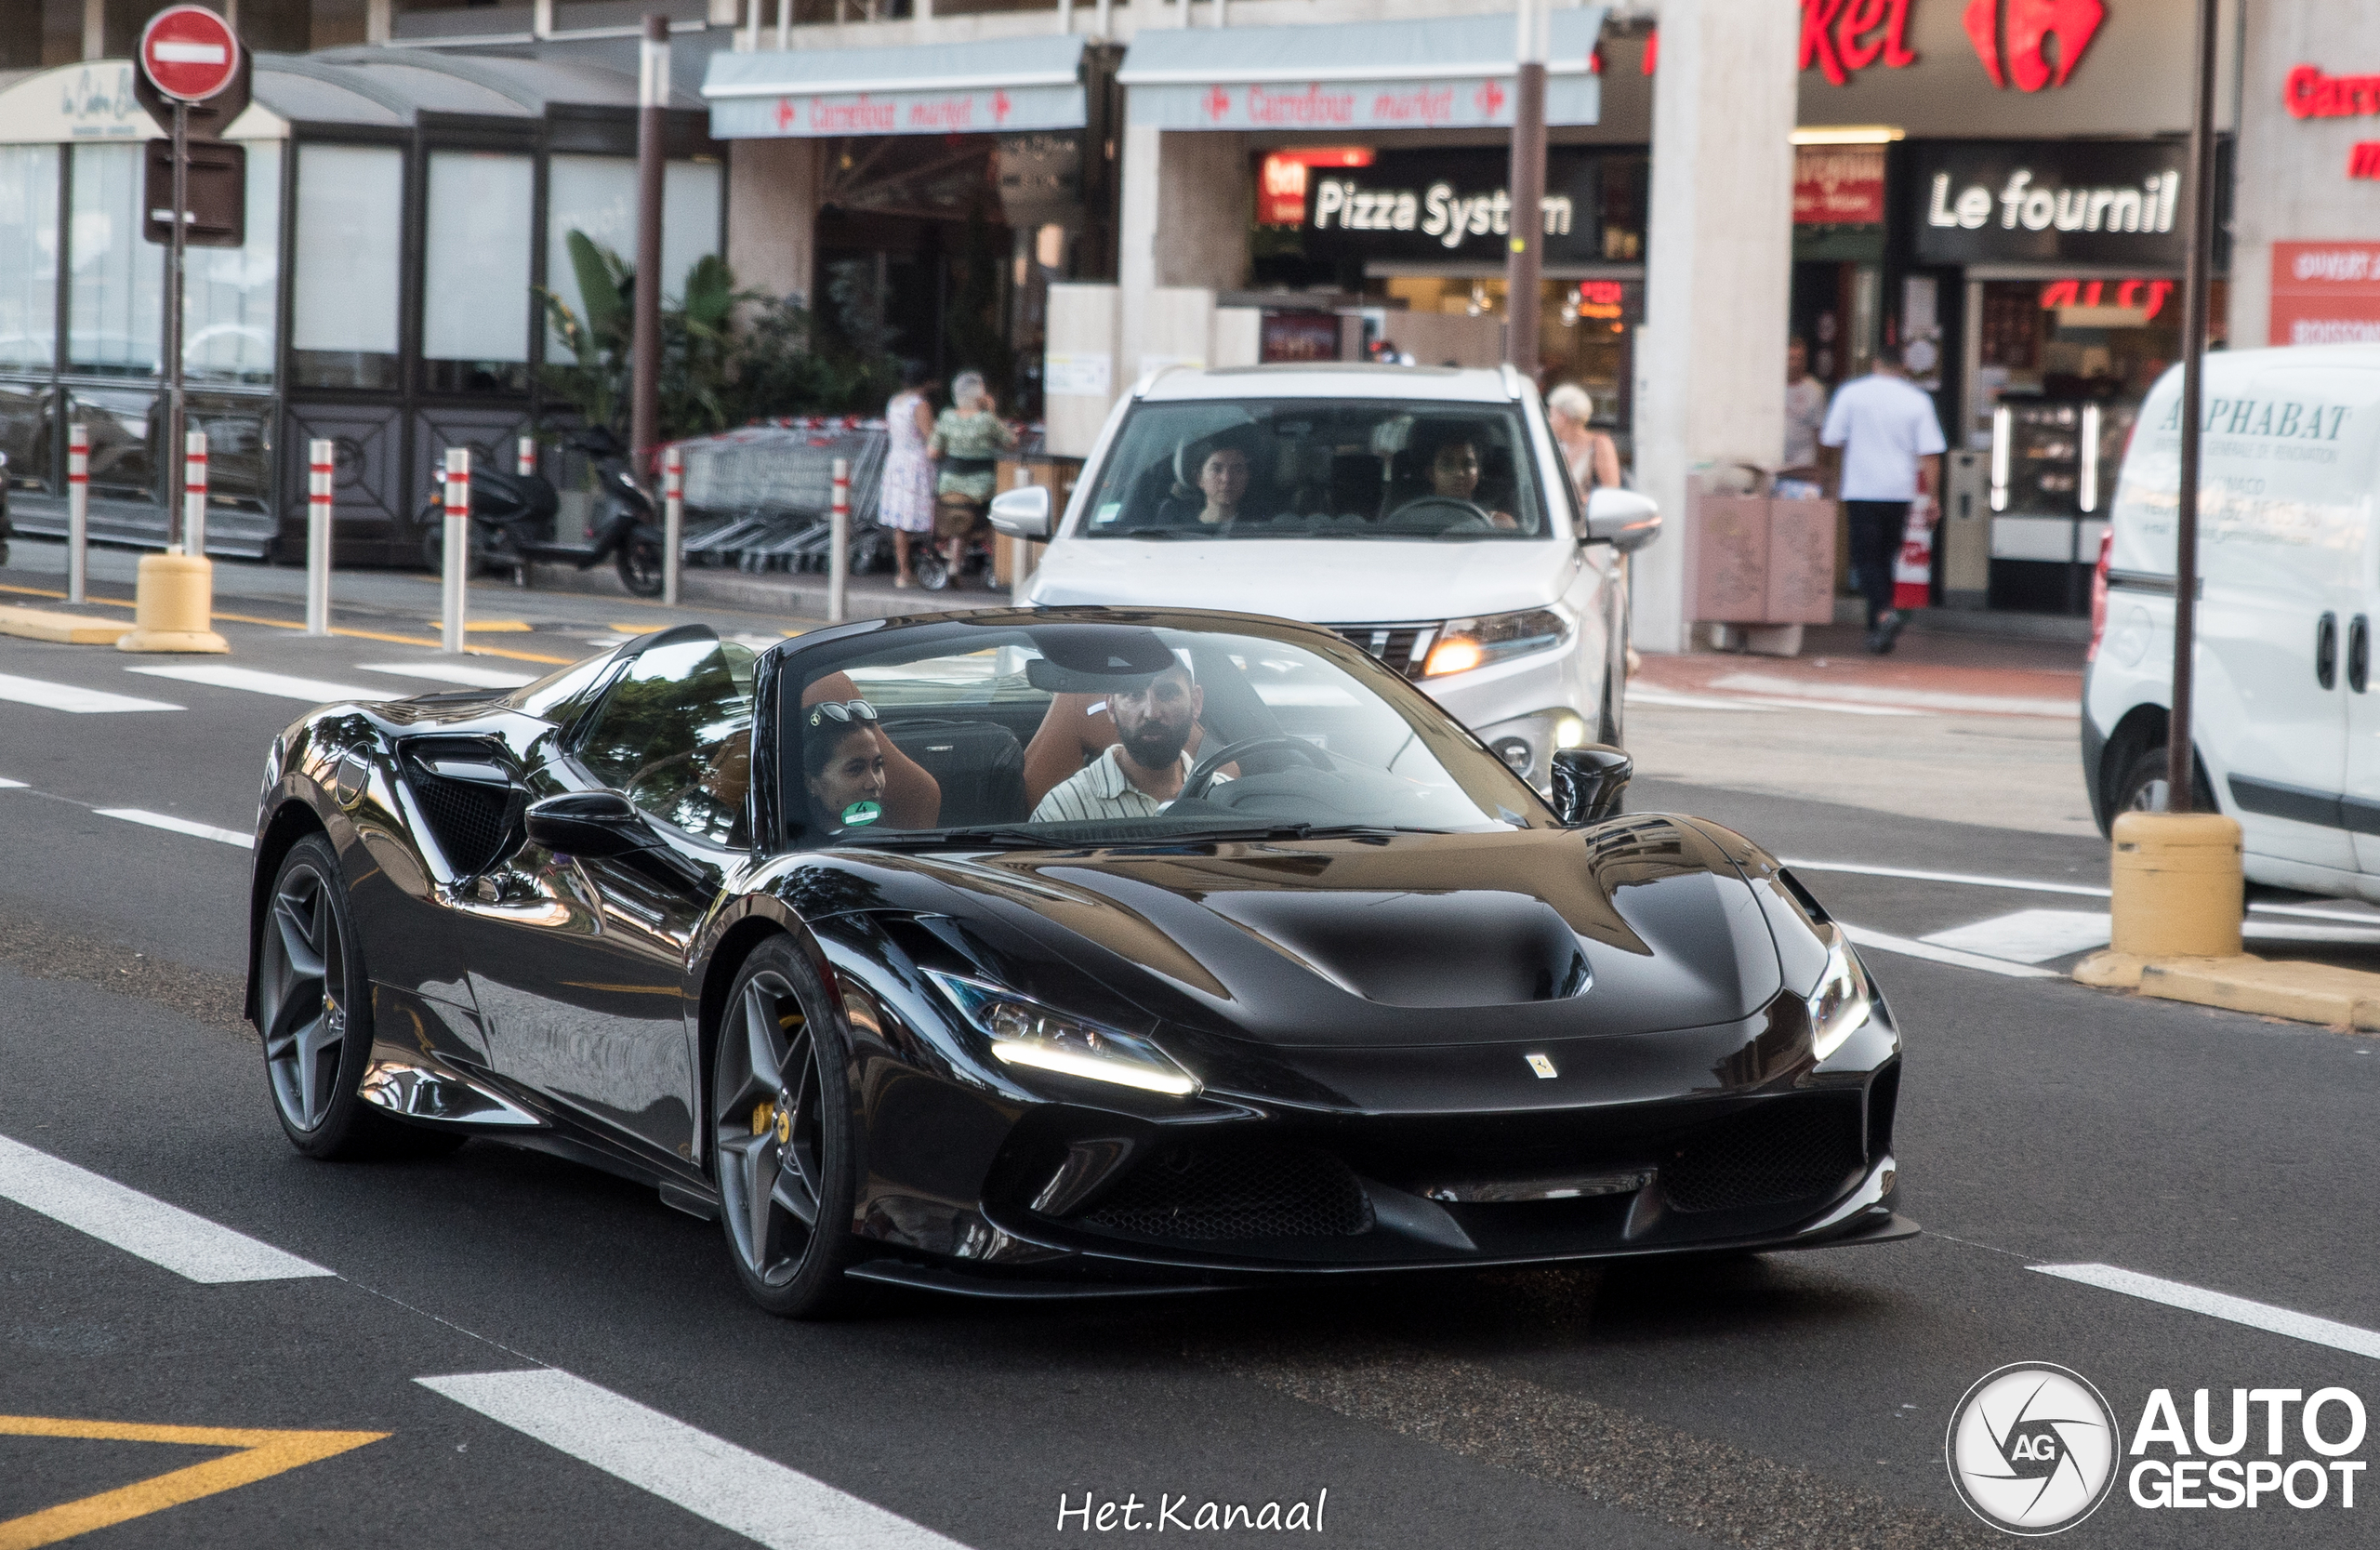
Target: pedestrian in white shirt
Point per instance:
(1891, 446)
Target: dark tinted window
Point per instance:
(675, 735)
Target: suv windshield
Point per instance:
(1319, 469)
(1080, 733)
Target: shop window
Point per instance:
(1625, 183)
(28, 257)
(475, 287)
(115, 306)
(24, 435)
(597, 195)
(232, 295)
(350, 221)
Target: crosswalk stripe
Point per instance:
(66, 697)
(6, 785)
(452, 672)
(1884, 941)
(312, 691)
(116, 1214)
(178, 826)
(707, 1475)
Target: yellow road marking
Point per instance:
(493, 627)
(261, 1455)
(350, 634)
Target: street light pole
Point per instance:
(1524, 260)
(2180, 762)
(645, 370)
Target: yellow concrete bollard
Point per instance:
(173, 605)
(2177, 887)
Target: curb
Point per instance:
(2321, 993)
(70, 630)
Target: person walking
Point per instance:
(968, 438)
(1593, 460)
(1890, 444)
(904, 500)
(1804, 410)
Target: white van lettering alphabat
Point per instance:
(2283, 419)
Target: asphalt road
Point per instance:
(1790, 1400)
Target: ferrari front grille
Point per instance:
(1785, 1150)
(1213, 1193)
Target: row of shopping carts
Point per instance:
(758, 498)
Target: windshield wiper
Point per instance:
(1003, 834)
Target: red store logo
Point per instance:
(2030, 25)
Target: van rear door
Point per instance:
(2283, 521)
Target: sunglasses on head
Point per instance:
(842, 711)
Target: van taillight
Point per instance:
(2099, 594)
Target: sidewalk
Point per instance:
(1926, 673)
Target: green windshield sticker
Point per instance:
(861, 813)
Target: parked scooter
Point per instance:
(512, 521)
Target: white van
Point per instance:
(1423, 513)
(2286, 717)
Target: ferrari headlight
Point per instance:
(1843, 999)
(1467, 643)
(1023, 1032)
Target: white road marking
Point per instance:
(1932, 954)
(2014, 884)
(6, 785)
(116, 1214)
(2291, 931)
(179, 825)
(2217, 1305)
(2028, 935)
(66, 697)
(1689, 702)
(707, 1475)
(453, 672)
(1916, 700)
(312, 691)
(1759, 702)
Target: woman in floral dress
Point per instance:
(904, 500)
(968, 438)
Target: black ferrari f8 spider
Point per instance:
(1058, 952)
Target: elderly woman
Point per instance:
(968, 438)
(1593, 460)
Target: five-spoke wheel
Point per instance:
(781, 1133)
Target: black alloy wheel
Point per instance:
(639, 562)
(314, 1010)
(781, 1130)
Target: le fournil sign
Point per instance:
(2111, 202)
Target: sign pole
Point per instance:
(1524, 263)
(176, 533)
(644, 352)
(2181, 763)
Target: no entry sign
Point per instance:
(190, 52)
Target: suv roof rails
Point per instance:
(1148, 378)
(1512, 381)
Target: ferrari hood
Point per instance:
(1420, 939)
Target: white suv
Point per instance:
(1424, 514)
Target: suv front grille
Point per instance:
(1404, 647)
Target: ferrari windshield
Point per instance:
(1087, 732)
(1319, 469)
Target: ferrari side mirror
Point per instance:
(1622, 519)
(1022, 513)
(1588, 784)
(595, 823)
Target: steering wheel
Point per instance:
(1195, 784)
(1468, 514)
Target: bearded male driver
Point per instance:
(1138, 776)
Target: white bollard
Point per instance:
(673, 519)
(319, 469)
(194, 493)
(525, 456)
(839, 543)
(458, 546)
(78, 512)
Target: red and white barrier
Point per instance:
(320, 469)
(78, 512)
(194, 493)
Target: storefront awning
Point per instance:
(997, 85)
(1439, 73)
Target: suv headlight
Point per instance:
(1024, 1032)
(1463, 644)
(1843, 999)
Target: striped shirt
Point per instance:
(1100, 790)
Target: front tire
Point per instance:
(2144, 789)
(639, 563)
(314, 1010)
(782, 1137)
